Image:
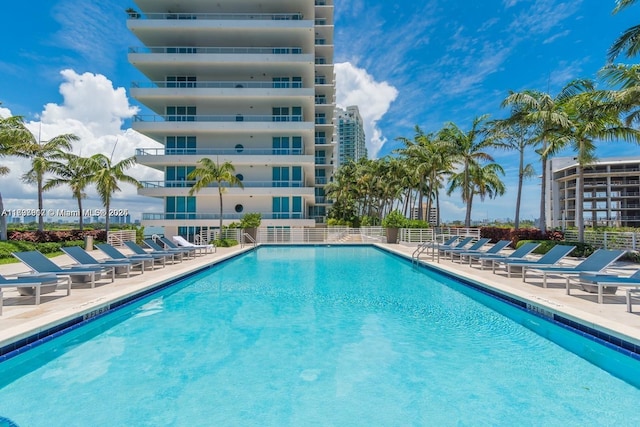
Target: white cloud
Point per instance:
(354, 86)
(93, 110)
(556, 36)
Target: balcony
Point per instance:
(152, 216)
(219, 151)
(221, 16)
(216, 118)
(215, 50)
(246, 184)
(238, 84)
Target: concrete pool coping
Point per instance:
(23, 319)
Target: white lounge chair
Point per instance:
(181, 241)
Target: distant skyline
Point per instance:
(403, 63)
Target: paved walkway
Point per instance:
(21, 318)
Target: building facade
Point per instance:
(244, 81)
(611, 192)
(351, 137)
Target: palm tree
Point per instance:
(629, 41)
(208, 172)
(23, 143)
(75, 172)
(428, 157)
(515, 133)
(468, 150)
(549, 123)
(7, 147)
(42, 153)
(625, 79)
(595, 116)
(106, 176)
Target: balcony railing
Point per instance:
(246, 184)
(321, 139)
(321, 180)
(223, 16)
(150, 216)
(217, 50)
(240, 84)
(219, 151)
(216, 118)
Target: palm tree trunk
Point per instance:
(220, 192)
(467, 218)
(543, 190)
(80, 222)
(106, 217)
(40, 206)
(579, 217)
(519, 195)
(3, 221)
(437, 208)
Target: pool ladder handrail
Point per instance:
(251, 239)
(415, 256)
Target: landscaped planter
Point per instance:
(392, 235)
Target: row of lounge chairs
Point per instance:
(589, 274)
(46, 275)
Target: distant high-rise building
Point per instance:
(247, 82)
(351, 138)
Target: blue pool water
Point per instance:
(339, 336)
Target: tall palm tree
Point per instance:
(549, 122)
(595, 116)
(515, 133)
(468, 149)
(429, 158)
(208, 172)
(107, 176)
(75, 172)
(40, 152)
(7, 148)
(625, 80)
(629, 40)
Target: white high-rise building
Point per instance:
(245, 81)
(351, 138)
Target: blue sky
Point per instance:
(402, 62)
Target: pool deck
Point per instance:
(21, 318)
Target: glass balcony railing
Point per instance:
(240, 84)
(222, 16)
(219, 151)
(152, 216)
(217, 50)
(246, 184)
(216, 118)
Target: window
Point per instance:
(181, 113)
(176, 176)
(181, 81)
(180, 145)
(179, 207)
(239, 208)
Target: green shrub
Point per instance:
(581, 249)
(417, 223)
(226, 243)
(395, 219)
(251, 220)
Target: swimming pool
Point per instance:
(315, 336)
